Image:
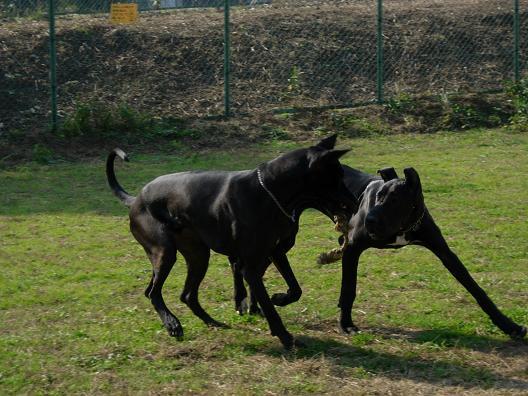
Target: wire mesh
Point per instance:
(303, 54)
(306, 53)
(447, 46)
(24, 75)
(164, 64)
(523, 39)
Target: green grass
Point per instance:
(73, 318)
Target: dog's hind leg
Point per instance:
(196, 255)
(437, 244)
(162, 262)
(159, 246)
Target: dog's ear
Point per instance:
(387, 174)
(412, 178)
(319, 159)
(328, 142)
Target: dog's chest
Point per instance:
(401, 240)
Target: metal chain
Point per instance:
(259, 176)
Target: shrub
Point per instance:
(42, 154)
(95, 121)
(519, 95)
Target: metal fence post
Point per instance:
(516, 41)
(379, 54)
(52, 63)
(227, 60)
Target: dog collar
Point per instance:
(261, 181)
(416, 224)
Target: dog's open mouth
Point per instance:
(333, 209)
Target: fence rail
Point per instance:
(237, 56)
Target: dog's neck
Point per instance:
(291, 217)
(415, 224)
(285, 191)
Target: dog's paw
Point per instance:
(174, 327)
(521, 333)
(349, 328)
(287, 341)
(242, 307)
(280, 299)
(245, 307)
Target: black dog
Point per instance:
(392, 214)
(243, 214)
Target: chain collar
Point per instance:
(261, 181)
(416, 224)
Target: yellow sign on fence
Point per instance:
(123, 13)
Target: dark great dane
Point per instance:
(244, 214)
(392, 214)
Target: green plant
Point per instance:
(519, 95)
(98, 121)
(275, 132)
(462, 116)
(42, 154)
(400, 104)
(354, 126)
(293, 81)
(33, 10)
(459, 115)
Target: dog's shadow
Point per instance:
(414, 365)
(447, 338)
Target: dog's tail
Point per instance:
(118, 191)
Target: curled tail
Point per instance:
(118, 191)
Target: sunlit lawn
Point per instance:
(73, 318)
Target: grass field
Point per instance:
(73, 318)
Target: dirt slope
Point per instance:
(312, 54)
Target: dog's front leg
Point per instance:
(240, 292)
(349, 267)
(253, 270)
(437, 244)
(294, 290)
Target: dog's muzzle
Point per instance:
(375, 225)
(348, 203)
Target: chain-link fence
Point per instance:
(174, 60)
(446, 46)
(303, 54)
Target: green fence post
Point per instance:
(379, 54)
(52, 63)
(516, 41)
(227, 60)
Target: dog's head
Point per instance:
(398, 206)
(323, 180)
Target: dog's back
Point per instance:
(356, 181)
